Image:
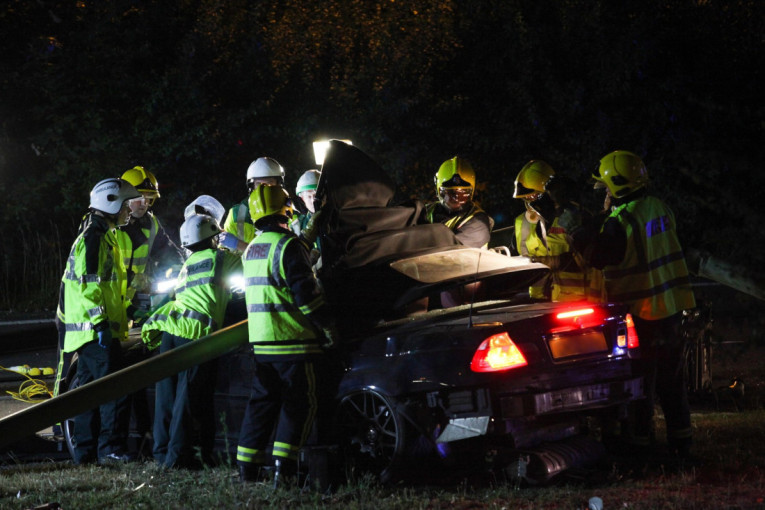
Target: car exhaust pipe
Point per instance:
(541, 464)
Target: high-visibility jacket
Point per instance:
(239, 223)
(201, 296)
(94, 285)
(457, 221)
(653, 276)
(567, 280)
(278, 327)
(135, 252)
(144, 245)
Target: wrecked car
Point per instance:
(445, 362)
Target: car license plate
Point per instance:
(586, 342)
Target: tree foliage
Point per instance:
(196, 89)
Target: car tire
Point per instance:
(68, 424)
(372, 435)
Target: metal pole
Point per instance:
(736, 277)
(128, 380)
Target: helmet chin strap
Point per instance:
(531, 213)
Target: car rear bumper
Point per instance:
(465, 424)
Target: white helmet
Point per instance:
(108, 195)
(308, 181)
(265, 167)
(205, 204)
(198, 227)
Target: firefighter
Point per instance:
(238, 229)
(455, 185)
(148, 252)
(183, 414)
(643, 266)
(92, 304)
(144, 243)
(539, 235)
(289, 326)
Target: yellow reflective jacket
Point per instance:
(277, 325)
(201, 296)
(567, 280)
(239, 223)
(652, 277)
(95, 283)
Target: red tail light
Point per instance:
(632, 336)
(577, 318)
(575, 313)
(497, 353)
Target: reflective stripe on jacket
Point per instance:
(201, 296)
(567, 281)
(653, 276)
(277, 326)
(94, 283)
(454, 222)
(239, 223)
(136, 257)
(435, 212)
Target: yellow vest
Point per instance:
(567, 281)
(653, 277)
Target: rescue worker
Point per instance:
(183, 415)
(455, 186)
(205, 204)
(145, 245)
(148, 253)
(289, 326)
(92, 304)
(643, 266)
(238, 229)
(539, 235)
(306, 191)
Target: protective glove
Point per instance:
(228, 241)
(151, 339)
(332, 338)
(570, 219)
(105, 338)
(311, 230)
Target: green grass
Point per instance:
(731, 445)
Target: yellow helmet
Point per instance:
(532, 180)
(622, 172)
(143, 180)
(268, 200)
(455, 174)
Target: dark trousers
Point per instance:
(284, 395)
(662, 364)
(97, 432)
(183, 412)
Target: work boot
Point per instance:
(285, 472)
(249, 472)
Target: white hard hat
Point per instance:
(108, 195)
(308, 181)
(198, 227)
(205, 204)
(264, 167)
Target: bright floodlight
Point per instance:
(320, 149)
